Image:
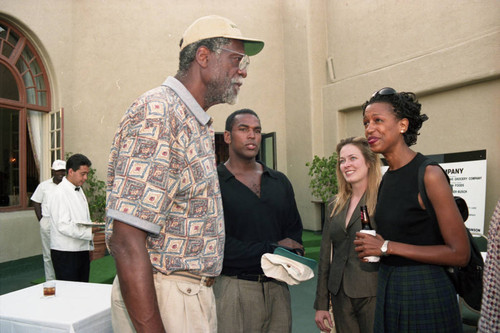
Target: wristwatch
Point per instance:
(384, 248)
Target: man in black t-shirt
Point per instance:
(260, 214)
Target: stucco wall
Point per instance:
(102, 54)
(444, 51)
(305, 52)
(19, 235)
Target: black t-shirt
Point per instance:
(253, 223)
(399, 215)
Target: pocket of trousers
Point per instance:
(189, 289)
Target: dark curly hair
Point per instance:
(405, 105)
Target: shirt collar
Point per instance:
(68, 183)
(225, 174)
(193, 106)
(266, 170)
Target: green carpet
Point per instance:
(102, 270)
(312, 242)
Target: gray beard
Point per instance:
(216, 96)
(230, 97)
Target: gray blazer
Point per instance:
(358, 279)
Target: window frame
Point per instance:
(23, 47)
(56, 152)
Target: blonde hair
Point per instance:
(374, 176)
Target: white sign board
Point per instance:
(467, 175)
(468, 180)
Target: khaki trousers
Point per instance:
(185, 306)
(252, 307)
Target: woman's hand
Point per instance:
(368, 245)
(321, 316)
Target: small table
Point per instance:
(77, 307)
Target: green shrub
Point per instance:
(324, 178)
(95, 191)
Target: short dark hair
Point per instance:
(405, 105)
(188, 54)
(76, 161)
(230, 118)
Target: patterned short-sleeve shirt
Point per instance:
(162, 178)
(490, 307)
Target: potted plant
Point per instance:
(323, 182)
(95, 191)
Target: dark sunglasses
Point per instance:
(385, 92)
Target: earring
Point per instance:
(402, 131)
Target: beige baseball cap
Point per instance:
(217, 26)
(59, 165)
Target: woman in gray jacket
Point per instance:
(343, 279)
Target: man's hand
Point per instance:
(38, 209)
(290, 243)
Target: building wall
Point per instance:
(102, 54)
(304, 57)
(19, 235)
(444, 51)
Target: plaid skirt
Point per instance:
(416, 299)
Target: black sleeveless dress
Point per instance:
(411, 296)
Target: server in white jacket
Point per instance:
(40, 201)
(71, 235)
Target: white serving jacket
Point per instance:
(68, 207)
(41, 195)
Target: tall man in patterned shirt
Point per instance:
(165, 224)
(260, 214)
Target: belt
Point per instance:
(254, 277)
(190, 277)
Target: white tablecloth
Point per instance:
(77, 307)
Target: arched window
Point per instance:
(24, 99)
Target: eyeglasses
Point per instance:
(244, 61)
(385, 92)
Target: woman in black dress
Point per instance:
(414, 294)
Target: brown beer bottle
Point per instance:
(365, 219)
(366, 228)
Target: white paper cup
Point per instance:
(371, 258)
